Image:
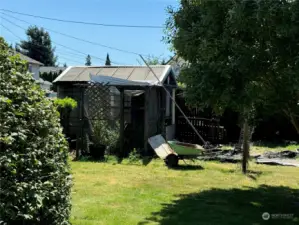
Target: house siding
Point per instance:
(34, 69)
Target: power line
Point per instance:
(6, 28)
(83, 22)
(10, 31)
(79, 39)
(63, 57)
(72, 49)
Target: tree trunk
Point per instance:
(294, 122)
(245, 155)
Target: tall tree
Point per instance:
(241, 56)
(88, 60)
(108, 62)
(154, 60)
(39, 46)
(64, 65)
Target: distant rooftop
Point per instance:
(53, 69)
(28, 59)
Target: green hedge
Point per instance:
(35, 181)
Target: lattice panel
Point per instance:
(98, 102)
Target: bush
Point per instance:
(35, 178)
(65, 103)
(64, 107)
(105, 134)
(134, 156)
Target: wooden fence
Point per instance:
(209, 129)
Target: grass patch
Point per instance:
(197, 193)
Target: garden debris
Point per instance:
(221, 155)
(277, 161)
(283, 158)
(283, 154)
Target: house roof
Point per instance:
(53, 69)
(130, 73)
(28, 59)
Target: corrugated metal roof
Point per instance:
(131, 73)
(114, 81)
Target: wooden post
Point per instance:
(122, 122)
(146, 125)
(81, 112)
(245, 153)
(173, 106)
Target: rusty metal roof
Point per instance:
(131, 73)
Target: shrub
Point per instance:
(64, 107)
(134, 156)
(105, 134)
(35, 178)
(65, 103)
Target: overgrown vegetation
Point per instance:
(65, 103)
(35, 182)
(134, 156)
(106, 134)
(64, 107)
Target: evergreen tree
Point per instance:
(64, 65)
(108, 62)
(38, 46)
(88, 61)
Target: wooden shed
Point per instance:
(129, 94)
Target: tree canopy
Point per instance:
(242, 54)
(108, 62)
(88, 60)
(155, 60)
(38, 46)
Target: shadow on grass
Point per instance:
(254, 175)
(188, 167)
(231, 207)
(146, 160)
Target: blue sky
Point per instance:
(132, 12)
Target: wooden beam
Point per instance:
(122, 122)
(146, 119)
(173, 106)
(81, 116)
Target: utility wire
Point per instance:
(64, 46)
(63, 57)
(83, 22)
(6, 28)
(78, 39)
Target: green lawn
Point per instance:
(206, 193)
